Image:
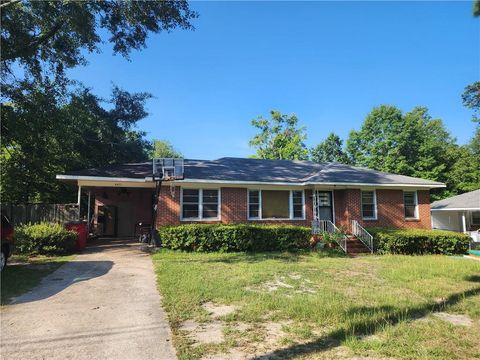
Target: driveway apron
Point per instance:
(102, 305)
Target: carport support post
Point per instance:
(88, 212)
(79, 196)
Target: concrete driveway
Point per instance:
(102, 305)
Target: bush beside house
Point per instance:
(415, 241)
(229, 238)
(44, 239)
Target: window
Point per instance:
(410, 203)
(369, 205)
(254, 204)
(198, 204)
(275, 204)
(209, 204)
(297, 204)
(476, 218)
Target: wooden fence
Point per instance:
(36, 213)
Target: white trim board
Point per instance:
(457, 209)
(247, 183)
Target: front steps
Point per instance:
(355, 246)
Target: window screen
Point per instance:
(190, 208)
(275, 204)
(476, 218)
(410, 201)
(297, 202)
(368, 205)
(210, 203)
(254, 204)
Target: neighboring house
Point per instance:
(458, 213)
(236, 190)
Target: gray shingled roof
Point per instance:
(470, 200)
(265, 171)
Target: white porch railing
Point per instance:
(321, 227)
(363, 235)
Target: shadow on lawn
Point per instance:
(390, 316)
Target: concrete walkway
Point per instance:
(102, 305)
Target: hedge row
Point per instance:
(44, 239)
(242, 237)
(415, 241)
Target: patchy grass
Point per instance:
(23, 273)
(315, 306)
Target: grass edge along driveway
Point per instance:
(23, 273)
(315, 306)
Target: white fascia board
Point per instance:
(307, 183)
(235, 182)
(456, 209)
(99, 178)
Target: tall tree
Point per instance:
(279, 138)
(329, 150)
(164, 149)
(43, 136)
(410, 144)
(53, 35)
(50, 123)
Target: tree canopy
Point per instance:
(279, 138)
(164, 149)
(329, 150)
(43, 136)
(44, 36)
(52, 124)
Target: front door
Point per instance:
(323, 205)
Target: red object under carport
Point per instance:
(81, 229)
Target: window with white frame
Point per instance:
(275, 204)
(254, 204)
(475, 217)
(369, 205)
(410, 204)
(200, 204)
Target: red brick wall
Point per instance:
(390, 210)
(347, 205)
(233, 208)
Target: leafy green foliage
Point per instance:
(329, 150)
(411, 144)
(51, 124)
(164, 149)
(44, 239)
(279, 138)
(476, 8)
(53, 35)
(416, 241)
(228, 238)
(45, 134)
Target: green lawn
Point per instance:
(23, 273)
(317, 306)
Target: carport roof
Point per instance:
(466, 201)
(242, 170)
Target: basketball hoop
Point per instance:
(172, 189)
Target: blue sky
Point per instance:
(327, 62)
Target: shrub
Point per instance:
(241, 237)
(417, 241)
(44, 239)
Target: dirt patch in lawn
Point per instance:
(293, 282)
(218, 310)
(461, 320)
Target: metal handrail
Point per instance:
(326, 226)
(363, 235)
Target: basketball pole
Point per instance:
(156, 196)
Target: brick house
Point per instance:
(236, 190)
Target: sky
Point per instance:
(329, 63)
